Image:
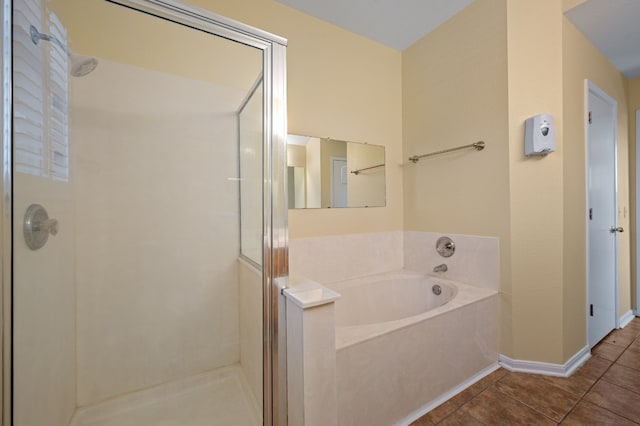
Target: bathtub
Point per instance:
(400, 347)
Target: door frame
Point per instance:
(275, 235)
(591, 89)
(636, 233)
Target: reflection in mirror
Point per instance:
(326, 173)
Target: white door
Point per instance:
(602, 225)
(338, 182)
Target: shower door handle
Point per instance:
(37, 226)
(50, 226)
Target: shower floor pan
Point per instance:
(219, 397)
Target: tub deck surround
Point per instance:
(311, 353)
(397, 348)
(390, 369)
(306, 293)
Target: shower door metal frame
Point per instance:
(275, 235)
(6, 220)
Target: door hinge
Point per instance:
(591, 309)
(591, 214)
(590, 117)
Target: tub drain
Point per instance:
(436, 289)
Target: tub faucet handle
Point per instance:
(441, 268)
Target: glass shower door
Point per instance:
(138, 285)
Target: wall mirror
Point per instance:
(329, 173)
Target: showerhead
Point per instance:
(80, 65)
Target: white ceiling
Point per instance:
(397, 24)
(613, 26)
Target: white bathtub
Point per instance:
(400, 347)
(388, 297)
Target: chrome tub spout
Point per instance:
(441, 268)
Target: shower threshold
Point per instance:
(218, 397)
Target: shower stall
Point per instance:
(144, 216)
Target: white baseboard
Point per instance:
(447, 396)
(626, 318)
(534, 367)
(544, 368)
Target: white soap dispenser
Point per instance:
(539, 135)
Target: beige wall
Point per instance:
(535, 87)
(581, 60)
(152, 43)
(534, 205)
(366, 188)
(570, 4)
(341, 86)
(455, 93)
(633, 99)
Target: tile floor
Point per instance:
(604, 391)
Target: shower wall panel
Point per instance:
(250, 289)
(44, 310)
(155, 181)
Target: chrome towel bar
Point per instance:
(479, 146)
(355, 172)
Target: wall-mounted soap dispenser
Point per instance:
(539, 135)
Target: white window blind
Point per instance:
(28, 64)
(58, 111)
(41, 126)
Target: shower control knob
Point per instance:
(445, 247)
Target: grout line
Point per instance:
(614, 384)
(527, 405)
(596, 382)
(589, 390)
(557, 422)
(580, 398)
(471, 399)
(493, 385)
